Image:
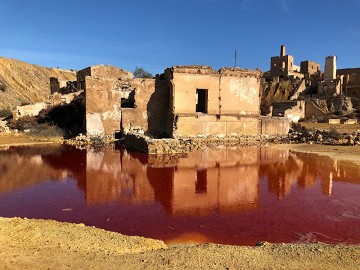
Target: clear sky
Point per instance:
(157, 34)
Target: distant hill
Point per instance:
(22, 82)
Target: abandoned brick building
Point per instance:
(183, 101)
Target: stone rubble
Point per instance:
(299, 134)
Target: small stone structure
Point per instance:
(29, 110)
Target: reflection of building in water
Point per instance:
(216, 181)
(305, 170)
(282, 170)
(112, 176)
(25, 166)
(219, 180)
(209, 181)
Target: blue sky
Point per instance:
(74, 34)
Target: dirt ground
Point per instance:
(342, 128)
(22, 139)
(46, 244)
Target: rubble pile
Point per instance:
(332, 137)
(183, 144)
(84, 142)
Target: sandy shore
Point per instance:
(20, 139)
(45, 244)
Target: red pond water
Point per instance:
(225, 196)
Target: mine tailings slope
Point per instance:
(22, 82)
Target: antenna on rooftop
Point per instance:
(235, 55)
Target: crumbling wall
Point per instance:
(103, 110)
(29, 110)
(329, 88)
(58, 98)
(239, 91)
(230, 93)
(351, 82)
(315, 109)
(62, 86)
(136, 119)
(309, 67)
(275, 126)
(103, 86)
(292, 110)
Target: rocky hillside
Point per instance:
(22, 82)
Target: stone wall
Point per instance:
(315, 109)
(292, 110)
(309, 67)
(329, 88)
(229, 91)
(103, 87)
(229, 94)
(281, 65)
(351, 81)
(103, 107)
(274, 126)
(208, 125)
(150, 114)
(239, 92)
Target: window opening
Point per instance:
(201, 100)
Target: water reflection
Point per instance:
(204, 187)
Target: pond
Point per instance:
(227, 196)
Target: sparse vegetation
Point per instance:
(46, 131)
(2, 87)
(141, 73)
(334, 133)
(69, 117)
(97, 142)
(23, 123)
(4, 113)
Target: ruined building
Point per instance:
(337, 82)
(183, 101)
(350, 81)
(331, 85)
(283, 67)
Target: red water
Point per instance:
(226, 196)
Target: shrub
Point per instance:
(69, 117)
(2, 87)
(46, 131)
(97, 142)
(4, 113)
(334, 133)
(23, 123)
(265, 106)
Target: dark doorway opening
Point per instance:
(201, 100)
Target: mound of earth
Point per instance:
(22, 83)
